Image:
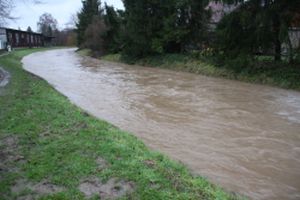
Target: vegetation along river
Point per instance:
(243, 137)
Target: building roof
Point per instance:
(220, 9)
(21, 31)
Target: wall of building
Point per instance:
(3, 38)
(18, 38)
(294, 34)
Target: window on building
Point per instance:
(17, 38)
(10, 37)
(2, 31)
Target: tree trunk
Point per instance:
(291, 51)
(277, 56)
(277, 42)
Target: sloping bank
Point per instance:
(263, 72)
(51, 149)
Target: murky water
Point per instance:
(243, 137)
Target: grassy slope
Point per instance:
(60, 143)
(279, 74)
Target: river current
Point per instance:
(242, 137)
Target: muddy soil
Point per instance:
(4, 77)
(34, 190)
(112, 189)
(243, 137)
(9, 155)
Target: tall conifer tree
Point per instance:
(90, 9)
(255, 25)
(155, 26)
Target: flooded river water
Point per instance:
(243, 137)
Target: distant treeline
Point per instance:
(153, 27)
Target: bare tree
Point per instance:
(47, 24)
(72, 21)
(6, 7)
(65, 37)
(93, 35)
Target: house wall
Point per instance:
(294, 34)
(18, 38)
(3, 38)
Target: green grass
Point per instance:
(2, 52)
(60, 143)
(84, 52)
(261, 71)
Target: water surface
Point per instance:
(243, 137)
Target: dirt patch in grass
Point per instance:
(112, 189)
(9, 154)
(4, 77)
(39, 189)
(10, 157)
(150, 163)
(101, 163)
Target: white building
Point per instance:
(3, 38)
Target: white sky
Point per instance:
(28, 13)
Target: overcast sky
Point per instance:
(28, 14)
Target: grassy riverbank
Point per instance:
(262, 71)
(51, 149)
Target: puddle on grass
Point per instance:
(243, 137)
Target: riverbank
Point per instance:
(280, 74)
(54, 150)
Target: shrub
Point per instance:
(93, 35)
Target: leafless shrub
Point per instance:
(66, 37)
(93, 35)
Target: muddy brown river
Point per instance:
(242, 137)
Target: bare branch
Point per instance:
(6, 7)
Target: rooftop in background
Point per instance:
(18, 38)
(219, 9)
(21, 31)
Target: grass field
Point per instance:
(50, 149)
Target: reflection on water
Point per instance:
(243, 137)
